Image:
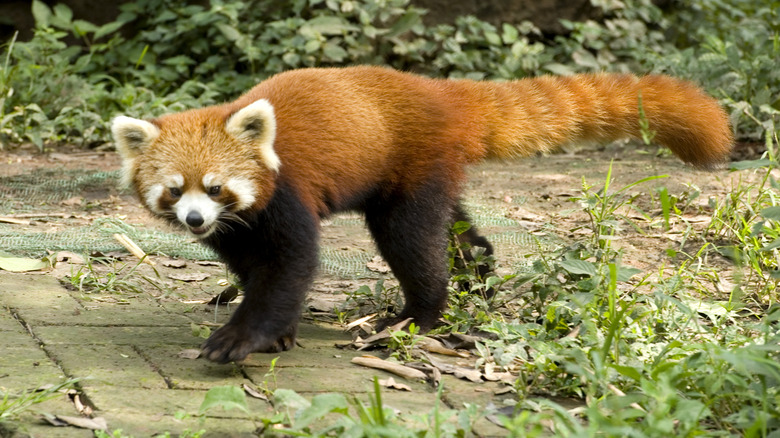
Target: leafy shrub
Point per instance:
(178, 55)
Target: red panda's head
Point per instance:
(201, 168)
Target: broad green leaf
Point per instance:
(230, 32)
(461, 227)
(775, 244)
(325, 25)
(772, 213)
(492, 281)
(493, 38)
(559, 69)
(41, 13)
(108, 29)
(626, 272)
(630, 372)
(312, 46)
(84, 27)
(226, 397)
(321, 405)
(510, 33)
(20, 264)
(581, 267)
(751, 164)
(290, 399)
(404, 24)
(63, 12)
(333, 52)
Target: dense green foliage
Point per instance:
(161, 56)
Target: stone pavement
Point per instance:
(127, 354)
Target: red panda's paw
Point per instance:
(235, 342)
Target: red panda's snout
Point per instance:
(201, 207)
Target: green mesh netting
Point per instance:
(41, 192)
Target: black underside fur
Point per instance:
(275, 258)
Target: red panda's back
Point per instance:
(341, 132)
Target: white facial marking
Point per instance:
(175, 181)
(244, 190)
(153, 194)
(200, 203)
(210, 179)
(152, 197)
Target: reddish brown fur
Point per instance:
(342, 130)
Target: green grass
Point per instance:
(12, 405)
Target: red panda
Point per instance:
(252, 178)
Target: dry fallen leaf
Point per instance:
(190, 353)
(252, 392)
(97, 423)
(175, 263)
(69, 257)
(76, 200)
(392, 384)
(459, 372)
(435, 346)
(190, 276)
(378, 264)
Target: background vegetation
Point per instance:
(641, 351)
(173, 55)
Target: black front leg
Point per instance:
(275, 255)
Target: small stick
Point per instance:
(34, 215)
(395, 368)
(10, 220)
(133, 248)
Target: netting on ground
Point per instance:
(86, 228)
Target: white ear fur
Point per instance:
(131, 137)
(256, 123)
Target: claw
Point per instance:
(233, 343)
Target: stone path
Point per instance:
(128, 357)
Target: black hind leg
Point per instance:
(411, 233)
(474, 239)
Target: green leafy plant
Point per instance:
(748, 222)
(14, 404)
(353, 417)
(381, 300)
(402, 342)
(604, 210)
(112, 277)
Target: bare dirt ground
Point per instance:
(530, 197)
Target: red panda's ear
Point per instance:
(256, 124)
(132, 136)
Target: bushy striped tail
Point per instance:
(543, 114)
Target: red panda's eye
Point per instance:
(175, 192)
(214, 190)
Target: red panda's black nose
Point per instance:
(194, 219)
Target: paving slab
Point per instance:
(118, 365)
(75, 335)
(126, 353)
